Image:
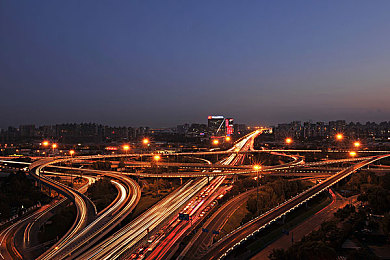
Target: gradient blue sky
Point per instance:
(162, 63)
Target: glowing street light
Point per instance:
(126, 147)
(45, 144)
(227, 138)
(145, 141)
(257, 168)
(71, 152)
(157, 158)
(339, 137)
(288, 140)
(356, 144)
(54, 146)
(215, 142)
(352, 154)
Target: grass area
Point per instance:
(58, 224)
(270, 194)
(291, 222)
(273, 232)
(102, 193)
(144, 203)
(234, 221)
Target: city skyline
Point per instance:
(196, 130)
(160, 64)
(188, 122)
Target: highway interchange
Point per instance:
(91, 235)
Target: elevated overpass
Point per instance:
(224, 246)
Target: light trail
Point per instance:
(177, 228)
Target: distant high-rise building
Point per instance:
(27, 130)
(219, 125)
(229, 124)
(240, 129)
(216, 124)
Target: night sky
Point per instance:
(163, 63)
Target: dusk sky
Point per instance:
(163, 63)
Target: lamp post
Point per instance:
(126, 148)
(71, 152)
(54, 146)
(156, 158)
(145, 143)
(257, 168)
(215, 143)
(288, 141)
(339, 138)
(45, 144)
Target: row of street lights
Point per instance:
(54, 146)
(126, 147)
(288, 141)
(339, 137)
(46, 144)
(216, 141)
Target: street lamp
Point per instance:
(288, 140)
(126, 147)
(257, 168)
(54, 146)
(228, 139)
(156, 158)
(352, 153)
(45, 144)
(145, 142)
(71, 152)
(356, 144)
(215, 142)
(339, 137)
